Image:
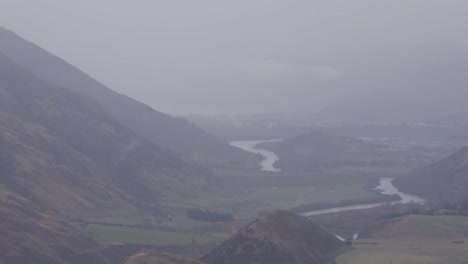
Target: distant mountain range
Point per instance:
(175, 134)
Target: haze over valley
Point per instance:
(208, 132)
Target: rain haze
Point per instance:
(233, 132)
(210, 57)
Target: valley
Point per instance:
(413, 239)
(262, 191)
(92, 175)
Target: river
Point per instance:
(269, 158)
(385, 185)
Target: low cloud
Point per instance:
(274, 70)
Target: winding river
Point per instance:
(385, 186)
(269, 158)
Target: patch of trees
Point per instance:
(209, 216)
(460, 207)
(414, 211)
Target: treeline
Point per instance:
(458, 208)
(414, 211)
(209, 216)
(460, 205)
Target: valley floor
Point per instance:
(414, 239)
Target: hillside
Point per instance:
(278, 238)
(318, 150)
(62, 151)
(442, 181)
(175, 134)
(29, 236)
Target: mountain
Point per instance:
(64, 152)
(175, 134)
(63, 158)
(278, 238)
(318, 150)
(154, 257)
(442, 181)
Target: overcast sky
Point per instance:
(238, 56)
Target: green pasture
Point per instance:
(414, 239)
(275, 197)
(149, 236)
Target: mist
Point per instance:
(212, 57)
(252, 132)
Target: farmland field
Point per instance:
(414, 239)
(276, 197)
(149, 236)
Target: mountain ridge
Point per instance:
(53, 138)
(175, 134)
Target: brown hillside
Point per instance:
(279, 238)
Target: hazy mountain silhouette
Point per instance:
(175, 134)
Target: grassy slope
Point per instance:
(30, 236)
(414, 239)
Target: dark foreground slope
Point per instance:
(62, 151)
(279, 238)
(443, 181)
(30, 236)
(175, 134)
